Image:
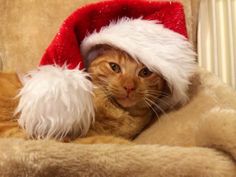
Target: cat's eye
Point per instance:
(115, 67)
(145, 72)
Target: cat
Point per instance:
(129, 91)
(126, 97)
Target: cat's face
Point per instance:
(124, 80)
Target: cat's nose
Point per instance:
(129, 88)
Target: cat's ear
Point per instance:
(95, 52)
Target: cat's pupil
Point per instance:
(115, 67)
(145, 72)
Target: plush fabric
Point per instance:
(46, 159)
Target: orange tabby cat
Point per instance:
(126, 93)
(126, 97)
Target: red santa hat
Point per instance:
(57, 99)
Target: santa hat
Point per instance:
(56, 100)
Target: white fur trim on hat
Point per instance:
(56, 101)
(159, 48)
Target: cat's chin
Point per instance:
(126, 102)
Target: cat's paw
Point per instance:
(217, 129)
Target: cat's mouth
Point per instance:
(126, 101)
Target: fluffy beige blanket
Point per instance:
(197, 140)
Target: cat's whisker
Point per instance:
(155, 97)
(156, 105)
(158, 92)
(164, 102)
(150, 106)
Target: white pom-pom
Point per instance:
(55, 102)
